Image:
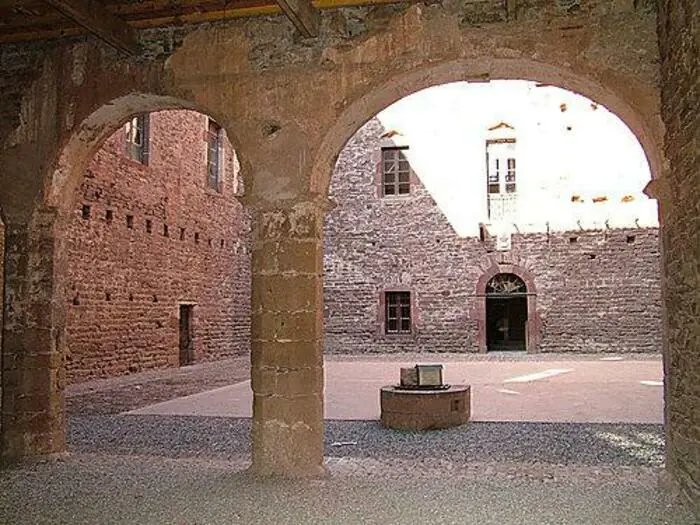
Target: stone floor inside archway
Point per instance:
(155, 467)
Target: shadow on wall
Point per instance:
(2, 298)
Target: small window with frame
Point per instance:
(494, 177)
(510, 176)
(136, 139)
(396, 171)
(397, 312)
(214, 140)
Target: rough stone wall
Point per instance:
(679, 40)
(125, 283)
(600, 293)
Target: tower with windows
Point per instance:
(501, 178)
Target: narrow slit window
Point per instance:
(214, 134)
(137, 130)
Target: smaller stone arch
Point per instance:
(66, 173)
(516, 280)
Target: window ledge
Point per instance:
(136, 163)
(213, 193)
(396, 198)
(386, 336)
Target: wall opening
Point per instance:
(494, 182)
(512, 234)
(186, 334)
(506, 313)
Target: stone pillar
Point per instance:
(32, 371)
(287, 338)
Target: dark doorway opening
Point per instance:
(186, 336)
(506, 313)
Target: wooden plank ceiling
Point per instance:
(114, 21)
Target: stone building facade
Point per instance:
(158, 262)
(585, 290)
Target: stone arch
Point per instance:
(534, 323)
(49, 219)
(65, 175)
(640, 115)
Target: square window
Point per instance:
(398, 312)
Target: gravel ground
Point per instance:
(554, 443)
(153, 470)
(105, 490)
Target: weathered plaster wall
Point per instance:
(125, 283)
(679, 37)
(600, 293)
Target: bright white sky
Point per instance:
(446, 128)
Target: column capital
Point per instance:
(300, 218)
(317, 201)
(659, 189)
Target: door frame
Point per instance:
(505, 300)
(533, 325)
(181, 306)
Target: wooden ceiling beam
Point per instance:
(303, 15)
(93, 16)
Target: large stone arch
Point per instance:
(640, 113)
(37, 243)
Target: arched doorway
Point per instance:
(506, 313)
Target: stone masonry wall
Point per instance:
(126, 282)
(679, 41)
(597, 291)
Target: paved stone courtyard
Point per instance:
(170, 469)
(504, 388)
